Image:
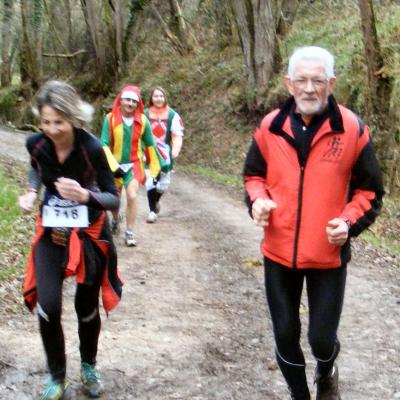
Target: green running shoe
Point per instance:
(56, 391)
(91, 380)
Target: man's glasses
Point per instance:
(316, 83)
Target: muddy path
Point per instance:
(193, 324)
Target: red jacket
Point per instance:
(79, 263)
(339, 178)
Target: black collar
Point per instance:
(332, 112)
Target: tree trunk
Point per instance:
(256, 22)
(135, 8)
(53, 10)
(173, 39)
(190, 7)
(37, 34)
(6, 38)
(183, 32)
(379, 86)
(67, 15)
(29, 67)
(244, 21)
(223, 22)
(264, 46)
(119, 25)
(286, 13)
(92, 12)
(378, 100)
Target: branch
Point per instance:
(167, 32)
(74, 54)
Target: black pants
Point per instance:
(153, 197)
(325, 291)
(50, 262)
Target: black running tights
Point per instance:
(325, 291)
(50, 261)
(153, 197)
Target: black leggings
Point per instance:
(50, 262)
(325, 291)
(153, 197)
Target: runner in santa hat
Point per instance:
(126, 133)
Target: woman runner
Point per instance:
(167, 127)
(72, 232)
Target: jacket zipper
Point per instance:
(298, 220)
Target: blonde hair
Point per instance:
(63, 98)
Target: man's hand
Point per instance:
(337, 231)
(70, 189)
(261, 209)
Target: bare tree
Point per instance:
(135, 8)
(190, 8)
(287, 10)
(37, 33)
(224, 22)
(119, 28)
(378, 100)
(6, 37)
(68, 20)
(379, 86)
(56, 26)
(29, 63)
(256, 22)
(183, 31)
(92, 11)
(171, 37)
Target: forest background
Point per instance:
(221, 63)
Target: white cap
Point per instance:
(130, 94)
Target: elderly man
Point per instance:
(312, 181)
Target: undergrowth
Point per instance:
(16, 229)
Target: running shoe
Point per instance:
(129, 239)
(328, 386)
(56, 391)
(91, 381)
(151, 218)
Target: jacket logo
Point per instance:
(334, 150)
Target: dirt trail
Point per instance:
(192, 322)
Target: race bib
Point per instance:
(58, 212)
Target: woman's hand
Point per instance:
(27, 201)
(177, 142)
(70, 189)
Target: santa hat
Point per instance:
(128, 92)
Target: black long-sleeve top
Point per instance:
(87, 164)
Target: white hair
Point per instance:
(313, 53)
(63, 98)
